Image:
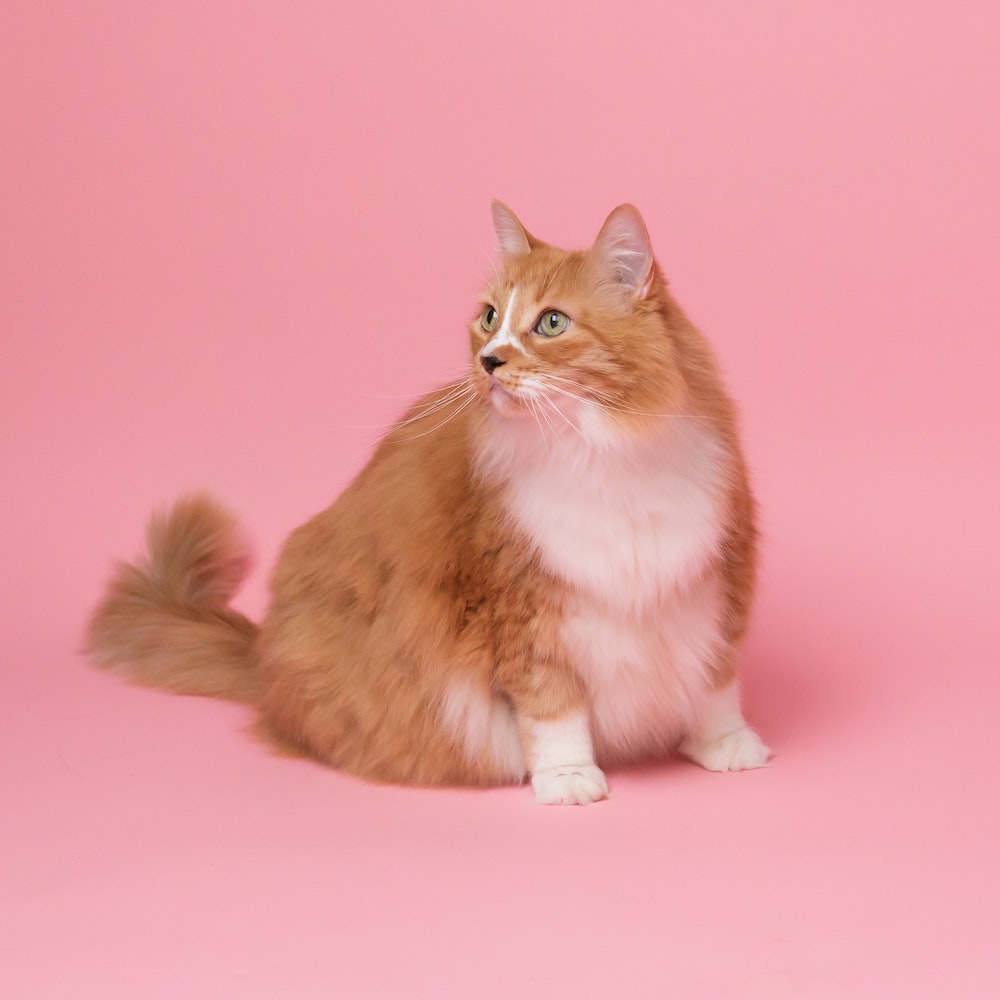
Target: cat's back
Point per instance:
(418, 478)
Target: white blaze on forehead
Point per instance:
(506, 334)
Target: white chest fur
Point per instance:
(623, 525)
(633, 534)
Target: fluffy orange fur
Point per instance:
(417, 628)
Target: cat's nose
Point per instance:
(491, 363)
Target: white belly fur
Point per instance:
(635, 536)
(648, 673)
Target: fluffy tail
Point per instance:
(165, 620)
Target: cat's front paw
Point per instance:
(570, 784)
(738, 751)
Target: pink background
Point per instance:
(234, 233)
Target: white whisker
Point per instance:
(436, 407)
(493, 264)
(552, 406)
(408, 395)
(447, 420)
(424, 410)
(535, 415)
(542, 402)
(606, 401)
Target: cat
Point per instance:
(544, 570)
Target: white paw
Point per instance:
(570, 784)
(737, 751)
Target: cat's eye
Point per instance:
(551, 323)
(488, 320)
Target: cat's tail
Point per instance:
(165, 620)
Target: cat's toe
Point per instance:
(571, 784)
(738, 751)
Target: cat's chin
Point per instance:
(506, 402)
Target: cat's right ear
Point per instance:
(624, 251)
(513, 239)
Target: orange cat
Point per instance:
(544, 569)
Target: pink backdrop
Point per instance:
(234, 234)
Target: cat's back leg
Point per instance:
(381, 716)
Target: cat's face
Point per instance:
(560, 334)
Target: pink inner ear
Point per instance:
(624, 250)
(512, 238)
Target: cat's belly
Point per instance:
(647, 673)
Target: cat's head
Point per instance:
(563, 336)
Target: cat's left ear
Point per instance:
(512, 238)
(624, 252)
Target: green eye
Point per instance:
(551, 323)
(488, 320)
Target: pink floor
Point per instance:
(237, 237)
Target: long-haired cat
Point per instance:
(543, 571)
